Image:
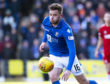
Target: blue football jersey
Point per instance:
(60, 40)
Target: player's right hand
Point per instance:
(96, 53)
(66, 75)
(42, 46)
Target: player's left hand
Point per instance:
(66, 75)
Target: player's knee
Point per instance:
(53, 77)
(109, 69)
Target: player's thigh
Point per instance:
(108, 67)
(55, 73)
(77, 71)
(57, 61)
(76, 68)
(82, 79)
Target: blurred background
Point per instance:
(21, 35)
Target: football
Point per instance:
(45, 64)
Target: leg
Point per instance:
(78, 73)
(58, 68)
(108, 69)
(54, 75)
(82, 79)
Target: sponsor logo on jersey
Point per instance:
(70, 38)
(51, 39)
(105, 32)
(107, 36)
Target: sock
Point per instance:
(92, 82)
(108, 75)
(56, 82)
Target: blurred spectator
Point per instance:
(82, 52)
(84, 35)
(9, 22)
(35, 50)
(91, 29)
(1, 31)
(40, 36)
(34, 21)
(14, 5)
(89, 7)
(26, 6)
(101, 10)
(31, 35)
(38, 10)
(84, 23)
(94, 18)
(92, 47)
(108, 6)
(81, 12)
(3, 6)
(8, 51)
(25, 52)
(69, 10)
(1, 49)
(14, 37)
(82, 45)
(7, 39)
(75, 25)
(46, 14)
(24, 29)
(69, 16)
(99, 24)
(46, 4)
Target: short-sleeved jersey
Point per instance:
(104, 33)
(60, 40)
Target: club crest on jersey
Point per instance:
(105, 32)
(56, 34)
(68, 30)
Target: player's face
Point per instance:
(54, 16)
(107, 18)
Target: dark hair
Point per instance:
(56, 6)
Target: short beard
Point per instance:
(55, 23)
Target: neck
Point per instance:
(107, 24)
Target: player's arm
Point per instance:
(72, 52)
(43, 44)
(44, 40)
(71, 46)
(99, 44)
